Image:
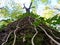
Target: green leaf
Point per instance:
(44, 1)
(32, 0)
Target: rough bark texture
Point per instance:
(22, 32)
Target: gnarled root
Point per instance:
(15, 35)
(49, 29)
(32, 40)
(14, 38)
(50, 36)
(7, 38)
(54, 35)
(24, 38)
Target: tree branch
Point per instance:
(30, 5)
(24, 6)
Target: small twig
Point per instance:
(50, 36)
(7, 38)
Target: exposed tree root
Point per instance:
(27, 24)
(14, 38)
(51, 32)
(4, 37)
(32, 40)
(50, 36)
(7, 38)
(24, 39)
(15, 35)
